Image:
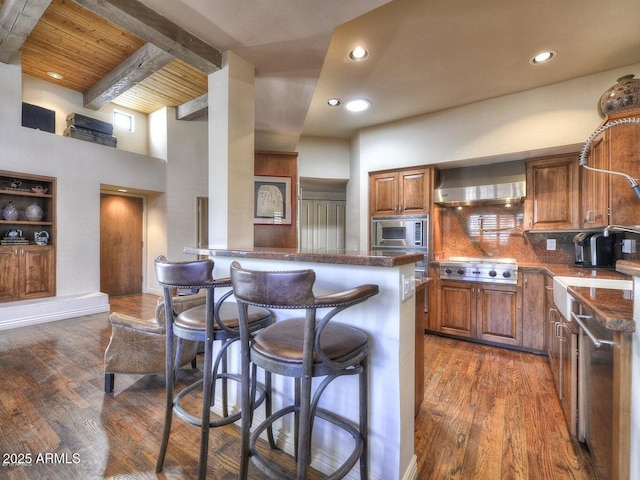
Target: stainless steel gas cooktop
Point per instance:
(486, 270)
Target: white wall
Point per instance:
(82, 168)
(320, 157)
(65, 101)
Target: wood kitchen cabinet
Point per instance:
(27, 236)
(419, 332)
(607, 199)
(401, 192)
(552, 201)
(487, 312)
(533, 310)
(551, 334)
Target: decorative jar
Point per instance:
(624, 95)
(33, 212)
(10, 212)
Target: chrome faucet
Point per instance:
(619, 228)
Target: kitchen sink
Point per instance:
(563, 299)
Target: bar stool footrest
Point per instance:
(275, 473)
(184, 415)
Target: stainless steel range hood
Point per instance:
(497, 184)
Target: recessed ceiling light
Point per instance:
(334, 102)
(357, 105)
(543, 57)
(359, 54)
(55, 75)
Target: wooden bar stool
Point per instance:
(206, 323)
(303, 347)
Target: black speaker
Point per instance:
(39, 118)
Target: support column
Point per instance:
(231, 152)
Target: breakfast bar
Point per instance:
(389, 320)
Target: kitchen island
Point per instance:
(389, 320)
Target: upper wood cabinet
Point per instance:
(607, 199)
(401, 192)
(552, 201)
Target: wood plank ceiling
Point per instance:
(84, 47)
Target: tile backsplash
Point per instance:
(496, 231)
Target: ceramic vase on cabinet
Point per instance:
(33, 212)
(10, 212)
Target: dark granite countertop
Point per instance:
(338, 257)
(613, 308)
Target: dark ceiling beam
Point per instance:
(195, 108)
(140, 20)
(17, 19)
(142, 64)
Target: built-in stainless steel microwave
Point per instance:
(400, 232)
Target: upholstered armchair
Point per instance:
(137, 346)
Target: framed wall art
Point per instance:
(272, 200)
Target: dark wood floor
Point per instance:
(488, 413)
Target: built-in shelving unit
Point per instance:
(27, 236)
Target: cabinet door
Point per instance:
(498, 315)
(552, 335)
(457, 308)
(552, 193)
(624, 156)
(533, 310)
(9, 274)
(413, 192)
(383, 194)
(595, 187)
(419, 361)
(569, 375)
(37, 272)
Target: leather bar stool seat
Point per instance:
(303, 347)
(283, 342)
(216, 320)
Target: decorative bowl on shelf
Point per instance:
(33, 212)
(10, 212)
(41, 238)
(39, 189)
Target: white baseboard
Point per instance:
(43, 310)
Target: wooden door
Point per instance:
(120, 244)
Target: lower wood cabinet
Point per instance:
(419, 332)
(534, 312)
(480, 311)
(26, 271)
(510, 315)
